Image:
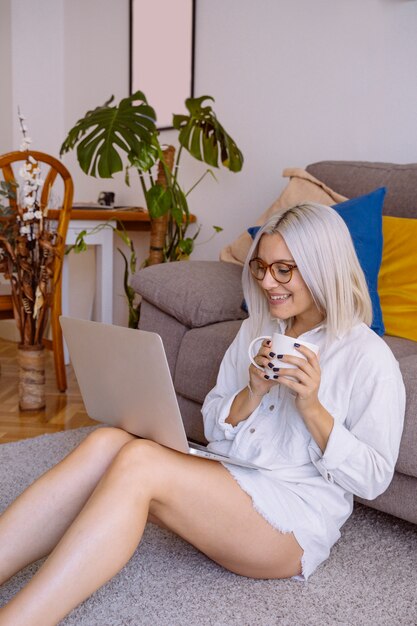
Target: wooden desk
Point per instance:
(132, 218)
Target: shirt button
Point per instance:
(272, 407)
(252, 430)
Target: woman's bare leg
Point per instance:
(196, 498)
(32, 526)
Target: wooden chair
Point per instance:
(51, 168)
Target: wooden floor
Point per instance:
(63, 410)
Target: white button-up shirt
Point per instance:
(309, 492)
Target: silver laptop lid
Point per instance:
(125, 380)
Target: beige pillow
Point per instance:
(302, 187)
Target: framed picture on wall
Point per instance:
(162, 40)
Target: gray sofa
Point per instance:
(196, 308)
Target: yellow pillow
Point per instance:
(397, 281)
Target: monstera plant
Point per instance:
(109, 132)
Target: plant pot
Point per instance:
(31, 361)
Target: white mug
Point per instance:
(280, 344)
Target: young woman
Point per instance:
(330, 430)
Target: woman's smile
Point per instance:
(278, 299)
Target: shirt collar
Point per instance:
(282, 325)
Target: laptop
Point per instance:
(125, 381)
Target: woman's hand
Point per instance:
(249, 398)
(304, 381)
(259, 382)
(307, 375)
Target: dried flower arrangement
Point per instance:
(28, 248)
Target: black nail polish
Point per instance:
(276, 369)
(272, 354)
(266, 376)
(297, 345)
(275, 377)
(271, 365)
(279, 356)
(268, 343)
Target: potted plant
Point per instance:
(31, 247)
(109, 131)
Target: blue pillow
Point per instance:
(363, 217)
(253, 231)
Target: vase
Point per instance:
(31, 361)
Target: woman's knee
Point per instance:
(106, 441)
(139, 456)
(139, 452)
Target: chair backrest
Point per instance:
(51, 168)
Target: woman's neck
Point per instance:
(299, 327)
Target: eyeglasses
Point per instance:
(280, 271)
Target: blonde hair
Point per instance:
(323, 251)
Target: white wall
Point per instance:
(37, 52)
(295, 81)
(6, 133)
(6, 138)
(95, 67)
(298, 81)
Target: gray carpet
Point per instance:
(369, 579)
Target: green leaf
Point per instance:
(7, 189)
(186, 246)
(106, 132)
(218, 229)
(122, 233)
(205, 138)
(179, 207)
(195, 143)
(158, 200)
(194, 105)
(80, 245)
(144, 158)
(129, 291)
(210, 148)
(178, 121)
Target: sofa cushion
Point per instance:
(170, 330)
(355, 178)
(401, 347)
(397, 283)
(302, 187)
(199, 359)
(196, 293)
(407, 460)
(192, 418)
(400, 499)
